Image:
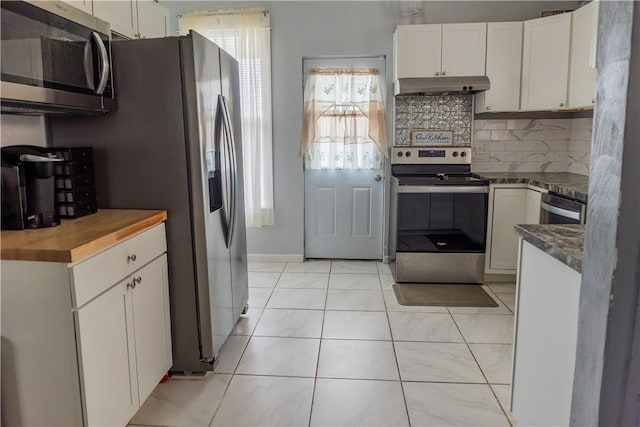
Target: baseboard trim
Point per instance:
(275, 257)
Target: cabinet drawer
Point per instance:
(97, 273)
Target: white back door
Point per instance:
(344, 208)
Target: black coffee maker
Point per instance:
(28, 187)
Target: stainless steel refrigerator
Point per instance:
(174, 143)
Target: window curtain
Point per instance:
(246, 35)
(343, 120)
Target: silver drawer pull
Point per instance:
(131, 284)
(131, 258)
(138, 280)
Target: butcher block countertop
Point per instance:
(75, 239)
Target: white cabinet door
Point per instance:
(532, 209)
(545, 62)
(152, 329)
(582, 78)
(85, 5)
(508, 209)
(153, 19)
(504, 64)
(418, 51)
(122, 16)
(464, 49)
(107, 358)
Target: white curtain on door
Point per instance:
(246, 35)
(343, 120)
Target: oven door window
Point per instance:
(442, 222)
(44, 50)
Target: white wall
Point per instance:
(315, 28)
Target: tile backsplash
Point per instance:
(446, 112)
(543, 145)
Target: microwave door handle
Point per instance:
(104, 62)
(88, 68)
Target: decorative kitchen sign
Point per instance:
(431, 137)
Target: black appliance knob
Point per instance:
(470, 87)
(463, 154)
(399, 153)
(408, 154)
(455, 154)
(464, 88)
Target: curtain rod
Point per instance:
(380, 57)
(261, 10)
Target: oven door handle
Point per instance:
(416, 189)
(559, 211)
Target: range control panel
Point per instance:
(450, 155)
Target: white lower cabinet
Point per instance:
(509, 204)
(124, 344)
(86, 343)
(547, 302)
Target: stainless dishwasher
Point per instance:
(556, 209)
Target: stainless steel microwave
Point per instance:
(56, 59)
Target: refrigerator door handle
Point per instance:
(232, 167)
(224, 181)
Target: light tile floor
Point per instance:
(325, 343)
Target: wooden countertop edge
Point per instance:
(84, 250)
(97, 245)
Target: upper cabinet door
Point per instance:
(153, 19)
(545, 62)
(504, 59)
(582, 77)
(85, 5)
(464, 49)
(122, 15)
(418, 51)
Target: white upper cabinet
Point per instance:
(153, 19)
(134, 18)
(504, 60)
(434, 50)
(464, 49)
(122, 15)
(545, 62)
(582, 77)
(85, 5)
(418, 51)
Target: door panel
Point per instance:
(361, 211)
(343, 216)
(326, 211)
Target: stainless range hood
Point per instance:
(440, 85)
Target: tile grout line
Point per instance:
(395, 355)
(315, 378)
(481, 370)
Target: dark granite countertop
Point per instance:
(564, 183)
(564, 242)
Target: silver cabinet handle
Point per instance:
(132, 258)
(593, 101)
(437, 73)
(444, 73)
(377, 177)
(487, 108)
(562, 104)
(137, 280)
(131, 285)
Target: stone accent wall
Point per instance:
(544, 145)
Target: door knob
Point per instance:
(377, 177)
